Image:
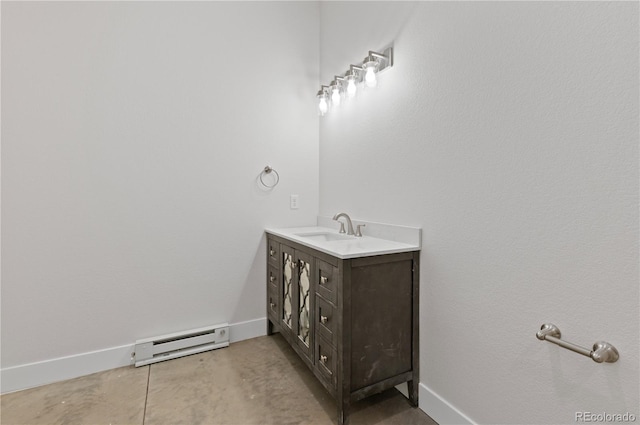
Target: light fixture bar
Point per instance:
(345, 84)
(323, 89)
(386, 58)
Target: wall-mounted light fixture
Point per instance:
(364, 73)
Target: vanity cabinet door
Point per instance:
(326, 321)
(304, 303)
(326, 362)
(287, 290)
(273, 252)
(327, 281)
(297, 287)
(273, 304)
(273, 278)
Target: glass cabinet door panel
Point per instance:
(303, 293)
(287, 270)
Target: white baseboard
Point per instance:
(247, 330)
(48, 371)
(439, 409)
(31, 375)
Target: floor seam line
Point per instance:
(146, 397)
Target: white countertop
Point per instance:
(365, 246)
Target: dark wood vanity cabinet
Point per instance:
(354, 322)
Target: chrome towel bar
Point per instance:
(601, 352)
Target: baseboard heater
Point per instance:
(179, 344)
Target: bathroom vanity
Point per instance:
(349, 307)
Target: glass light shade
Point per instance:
(351, 88)
(335, 96)
(370, 66)
(323, 106)
(370, 77)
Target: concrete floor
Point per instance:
(257, 381)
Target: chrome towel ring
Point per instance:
(268, 170)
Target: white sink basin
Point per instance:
(325, 236)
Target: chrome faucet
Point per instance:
(349, 224)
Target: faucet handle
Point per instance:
(342, 227)
(359, 230)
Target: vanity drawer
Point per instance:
(326, 320)
(273, 303)
(327, 276)
(273, 252)
(273, 278)
(326, 356)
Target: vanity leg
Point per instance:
(412, 386)
(269, 327)
(343, 413)
(412, 389)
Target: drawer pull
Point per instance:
(323, 359)
(324, 319)
(272, 278)
(272, 305)
(272, 252)
(324, 280)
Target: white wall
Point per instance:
(509, 132)
(132, 137)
